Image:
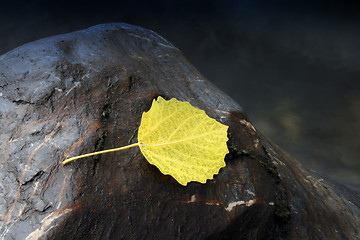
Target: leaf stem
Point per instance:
(100, 152)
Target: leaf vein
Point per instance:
(159, 123)
(172, 160)
(182, 124)
(178, 141)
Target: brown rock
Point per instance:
(85, 91)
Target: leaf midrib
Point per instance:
(178, 141)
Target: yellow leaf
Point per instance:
(180, 140)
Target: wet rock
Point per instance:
(85, 91)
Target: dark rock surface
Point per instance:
(85, 91)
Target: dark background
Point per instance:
(292, 65)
